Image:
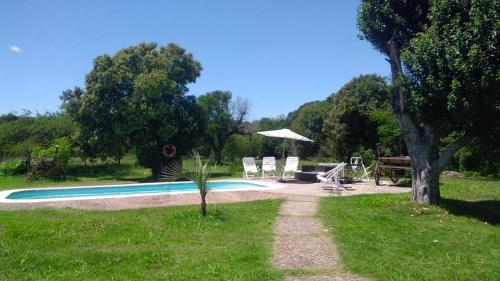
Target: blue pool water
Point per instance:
(124, 190)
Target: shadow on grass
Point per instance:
(486, 210)
(221, 174)
(137, 179)
(403, 183)
(100, 170)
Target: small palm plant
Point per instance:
(199, 174)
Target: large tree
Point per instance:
(223, 117)
(348, 126)
(444, 60)
(308, 120)
(85, 139)
(136, 98)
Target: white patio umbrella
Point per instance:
(284, 134)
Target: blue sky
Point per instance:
(278, 54)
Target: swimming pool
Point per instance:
(94, 192)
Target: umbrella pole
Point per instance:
(284, 144)
(283, 158)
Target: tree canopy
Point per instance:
(136, 98)
(444, 60)
(349, 125)
(222, 118)
(308, 120)
(452, 69)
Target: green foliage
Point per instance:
(20, 133)
(445, 65)
(349, 125)
(14, 167)
(100, 134)
(381, 21)
(388, 132)
(51, 162)
(136, 99)
(479, 158)
(453, 68)
(239, 146)
(216, 110)
(222, 118)
(349, 122)
(266, 124)
(450, 58)
(308, 120)
(368, 155)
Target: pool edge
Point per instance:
(5, 193)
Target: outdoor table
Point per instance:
(310, 172)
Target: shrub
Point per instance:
(51, 162)
(240, 146)
(368, 155)
(13, 168)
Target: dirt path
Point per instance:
(302, 244)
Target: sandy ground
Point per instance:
(291, 190)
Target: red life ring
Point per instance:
(169, 150)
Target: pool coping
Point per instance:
(4, 194)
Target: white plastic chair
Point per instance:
(268, 166)
(291, 166)
(331, 179)
(357, 164)
(249, 167)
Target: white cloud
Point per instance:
(16, 49)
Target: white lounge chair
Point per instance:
(249, 167)
(331, 179)
(358, 167)
(291, 166)
(268, 166)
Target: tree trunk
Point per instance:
(156, 172)
(424, 171)
(425, 186)
(421, 140)
(423, 148)
(218, 155)
(216, 145)
(203, 206)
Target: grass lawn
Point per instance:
(383, 237)
(386, 237)
(173, 243)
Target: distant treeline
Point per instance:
(20, 134)
(350, 122)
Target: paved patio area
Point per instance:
(290, 190)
